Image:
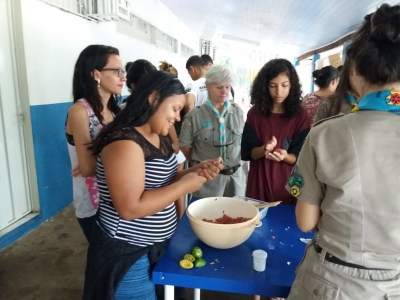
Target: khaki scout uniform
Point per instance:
(200, 133)
(350, 167)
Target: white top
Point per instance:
(85, 191)
(198, 89)
(180, 157)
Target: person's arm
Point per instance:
(124, 169)
(251, 147)
(186, 137)
(189, 102)
(310, 195)
(307, 215)
(78, 123)
(174, 138)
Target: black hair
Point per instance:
(260, 96)
(375, 48)
(127, 66)
(324, 76)
(340, 68)
(137, 70)
(194, 61)
(207, 59)
(138, 110)
(343, 87)
(93, 57)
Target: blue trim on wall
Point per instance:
(53, 167)
(314, 59)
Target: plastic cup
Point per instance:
(259, 260)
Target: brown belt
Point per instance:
(335, 260)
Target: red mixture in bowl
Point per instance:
(225, 219)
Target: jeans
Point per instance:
(87, 225)
(137, 283)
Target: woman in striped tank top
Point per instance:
(138, 183)
(98, 76)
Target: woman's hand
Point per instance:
(76, 171)
(192, 182)
(270, 146)
(210, 169)
(278, 155)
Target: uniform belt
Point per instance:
(335, 260)
(229, 171)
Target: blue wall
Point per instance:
(53, 167)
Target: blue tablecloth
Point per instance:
(231, 270)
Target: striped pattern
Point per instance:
(144, 231)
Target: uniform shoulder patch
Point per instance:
(327, 119)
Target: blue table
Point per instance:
(231, 270)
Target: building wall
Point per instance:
(53, 40)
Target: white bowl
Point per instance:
(222, 236)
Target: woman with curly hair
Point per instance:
(274, 132)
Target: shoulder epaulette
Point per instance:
(327, 119)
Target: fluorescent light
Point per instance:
(236, 39)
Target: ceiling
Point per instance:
(295, 26)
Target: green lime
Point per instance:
(196, 252)
(199, 263)
(190, 257)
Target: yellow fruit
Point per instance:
(186, 264)
(190, 257)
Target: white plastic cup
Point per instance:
(259, 260)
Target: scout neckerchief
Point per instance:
(222, 131)
(352, 100)
(386, 100)
(295, 182)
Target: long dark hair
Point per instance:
(262, 100)
(323, 77)
(375, 49)
(138, 110)
(343, 87)
(93, 57)
(137, 70)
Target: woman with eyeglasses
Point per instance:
(98, 76)
(215, 129)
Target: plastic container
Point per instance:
(259, 260)
(262, 211)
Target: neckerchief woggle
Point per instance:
(221, 121)
(386, 100)
(352, 100)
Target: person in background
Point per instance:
(327, 80)
(347, 165)
(135, 72)
(215, 129)
(167, 67)
(127, 65)
(345, 97)
(138, 183)
(340, 68)
(274, 132)
(98, 76)
(207, 60)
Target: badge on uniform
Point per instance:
(295, 182)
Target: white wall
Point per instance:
(54, 38)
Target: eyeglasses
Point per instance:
(229, 138)
(118, 71)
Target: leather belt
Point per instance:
(229, 171)
(335, 260)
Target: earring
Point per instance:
(98, 83)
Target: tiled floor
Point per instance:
(49, 263)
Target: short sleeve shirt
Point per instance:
(200, 133)
(351, 169)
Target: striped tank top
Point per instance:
(161, 167)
